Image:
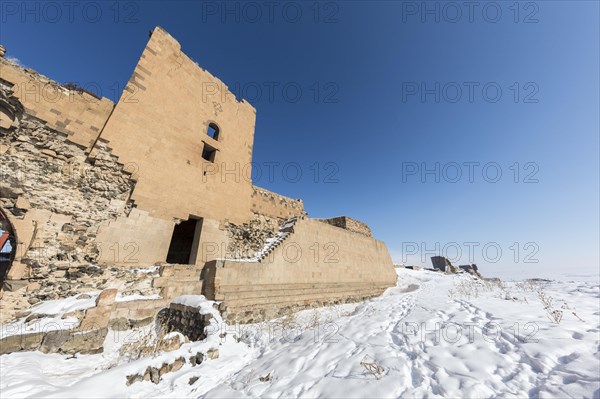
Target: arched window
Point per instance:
(213, 131)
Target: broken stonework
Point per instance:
(153, 374)
(471, 269)
(59, 341)
(213, 353)
(51, 184)
(70, 342)
(442, 264)
(97, 195)
(347, 223)
(184, 319)
(249, 238)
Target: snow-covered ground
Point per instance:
(51, 315)
(431, 336)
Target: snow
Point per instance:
(432, 335)
(204, 306)
(53, 313)
(135, 297)
(270, 243)
(146, 270)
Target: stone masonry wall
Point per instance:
(347, 223)
(160, 124)
(316, 265)
(56, 197)
(90, 187)
(248, 238)
(275, 205)
(187, 320)
(75, 113)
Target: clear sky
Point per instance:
(470, 127)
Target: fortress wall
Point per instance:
(144, 240)
(345, 222)
(159, 127)
(56, 200)
(268, 203)
(82, 202)
(77, 114)
(347, 266)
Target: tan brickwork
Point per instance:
(77, 114)
(268, 203)
(317, 264)
(160, 124)
(146, 172)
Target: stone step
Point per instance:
(293, 293)
(304, 300)
(159, 282)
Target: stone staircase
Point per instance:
(176, 280)
(285, 230)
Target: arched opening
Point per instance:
(8, 246)
(213, 131)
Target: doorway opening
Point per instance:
(184, 242)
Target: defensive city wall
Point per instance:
(129, 199)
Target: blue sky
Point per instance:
(371, 94)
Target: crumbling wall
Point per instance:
(347, 223)
(268, 203)
(86, 186)
(187, 320)
(247, 239)
(77, 114)
(56, 198)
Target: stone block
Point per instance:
(89, 342)
(106, 297)
(213, 353)
(14, 285)
(22, 203)
(20, 342)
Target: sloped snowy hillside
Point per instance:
(433, 335)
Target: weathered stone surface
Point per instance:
(154, 374)
(169, 344)
(16, 343)
(349, 224)
(57, 202)
(14, 285)
(184, 319)
(89, 342)
(89, 204)
(59, 341)
(440, 263)
(106, 297)
(196, 359)
(471, 269)
(213, 353)
(247, 239)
